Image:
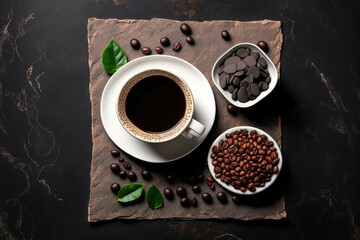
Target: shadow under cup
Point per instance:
(155, 106)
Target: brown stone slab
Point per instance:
(208, 47)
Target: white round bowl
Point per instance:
(230, 187)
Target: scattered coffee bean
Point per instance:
(225, 35)
(185, 28)
(231, 108)
(221, 196)
(121, 159)
(135, 44)
(246, 164)
(123, 174)
(206, 197)
(263, 45)
(211, 183)
(236, 199)
(181, 191)
(177, 47)
(200, 178)
(169, 194)
(127, 165)
(170, 178)
(115, 153)
(146, 50)
(185, 202)
(159, 50)
(193, 201)
(115, 187)
(146, 175)
(165, 41)
(115, 168)
(190, 40)
(196, 189)
(132, 176)
(244, 74)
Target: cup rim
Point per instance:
(167, 135)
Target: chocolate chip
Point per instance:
(231, 108)
(268, 80)
(165, 41)
(250, 61)
(256, 55)
(262, 62)
(263, 45)
(241, 65)
(146, 175)
(239, 73)
(236, 82)
(221, 69)
(190, 40)
(185, 202)
(169, 194)
(242, 52)
(255, 91)
(185, 28)
(223, 83)
(177, 47)
(231, 88)
(242, 95)
(146, 50)
(264, 86)
(115, 187)
(115, 153)
(135, 44)
(255, 71)
(115, 168)
(230, 68)
(196, 189)
(225, 35)
(234, 95)
(244, 83)
(231, 60)
(159, 50)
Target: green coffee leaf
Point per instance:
(113, 57)
(130, 192)
(154, 197)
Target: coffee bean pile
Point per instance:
(245, 160)
(244, 74)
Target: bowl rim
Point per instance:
(231, 188)
(227, 53)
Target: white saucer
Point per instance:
(205, 109)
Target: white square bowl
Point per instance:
(270, 67)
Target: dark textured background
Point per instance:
(45, 122)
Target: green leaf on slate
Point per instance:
(154, 197)
(113, 57)
(130, 192)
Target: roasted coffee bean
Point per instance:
(221, 196)
(115, 153)
(185, 202)
(196, 189)
(127, 165)
(263, 45)
(206, 197)
(123, 174)
(170, 178)
(169, 194)
(225, 35)
(121, 159)
(115, 187)
(115, 168)
(236, 199)
(146, 175)
(159, 50)
(190, 40)
(181, 191)
(231, 108)
(146, 50)
(132, 176)
(165, 41)
(185, 28)
(135, 44)
(177, 47)
(193, 201)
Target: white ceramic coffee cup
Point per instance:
(188, 127)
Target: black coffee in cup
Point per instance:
(155, 104)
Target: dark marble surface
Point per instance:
(45, 123)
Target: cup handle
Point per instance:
(195, 129)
